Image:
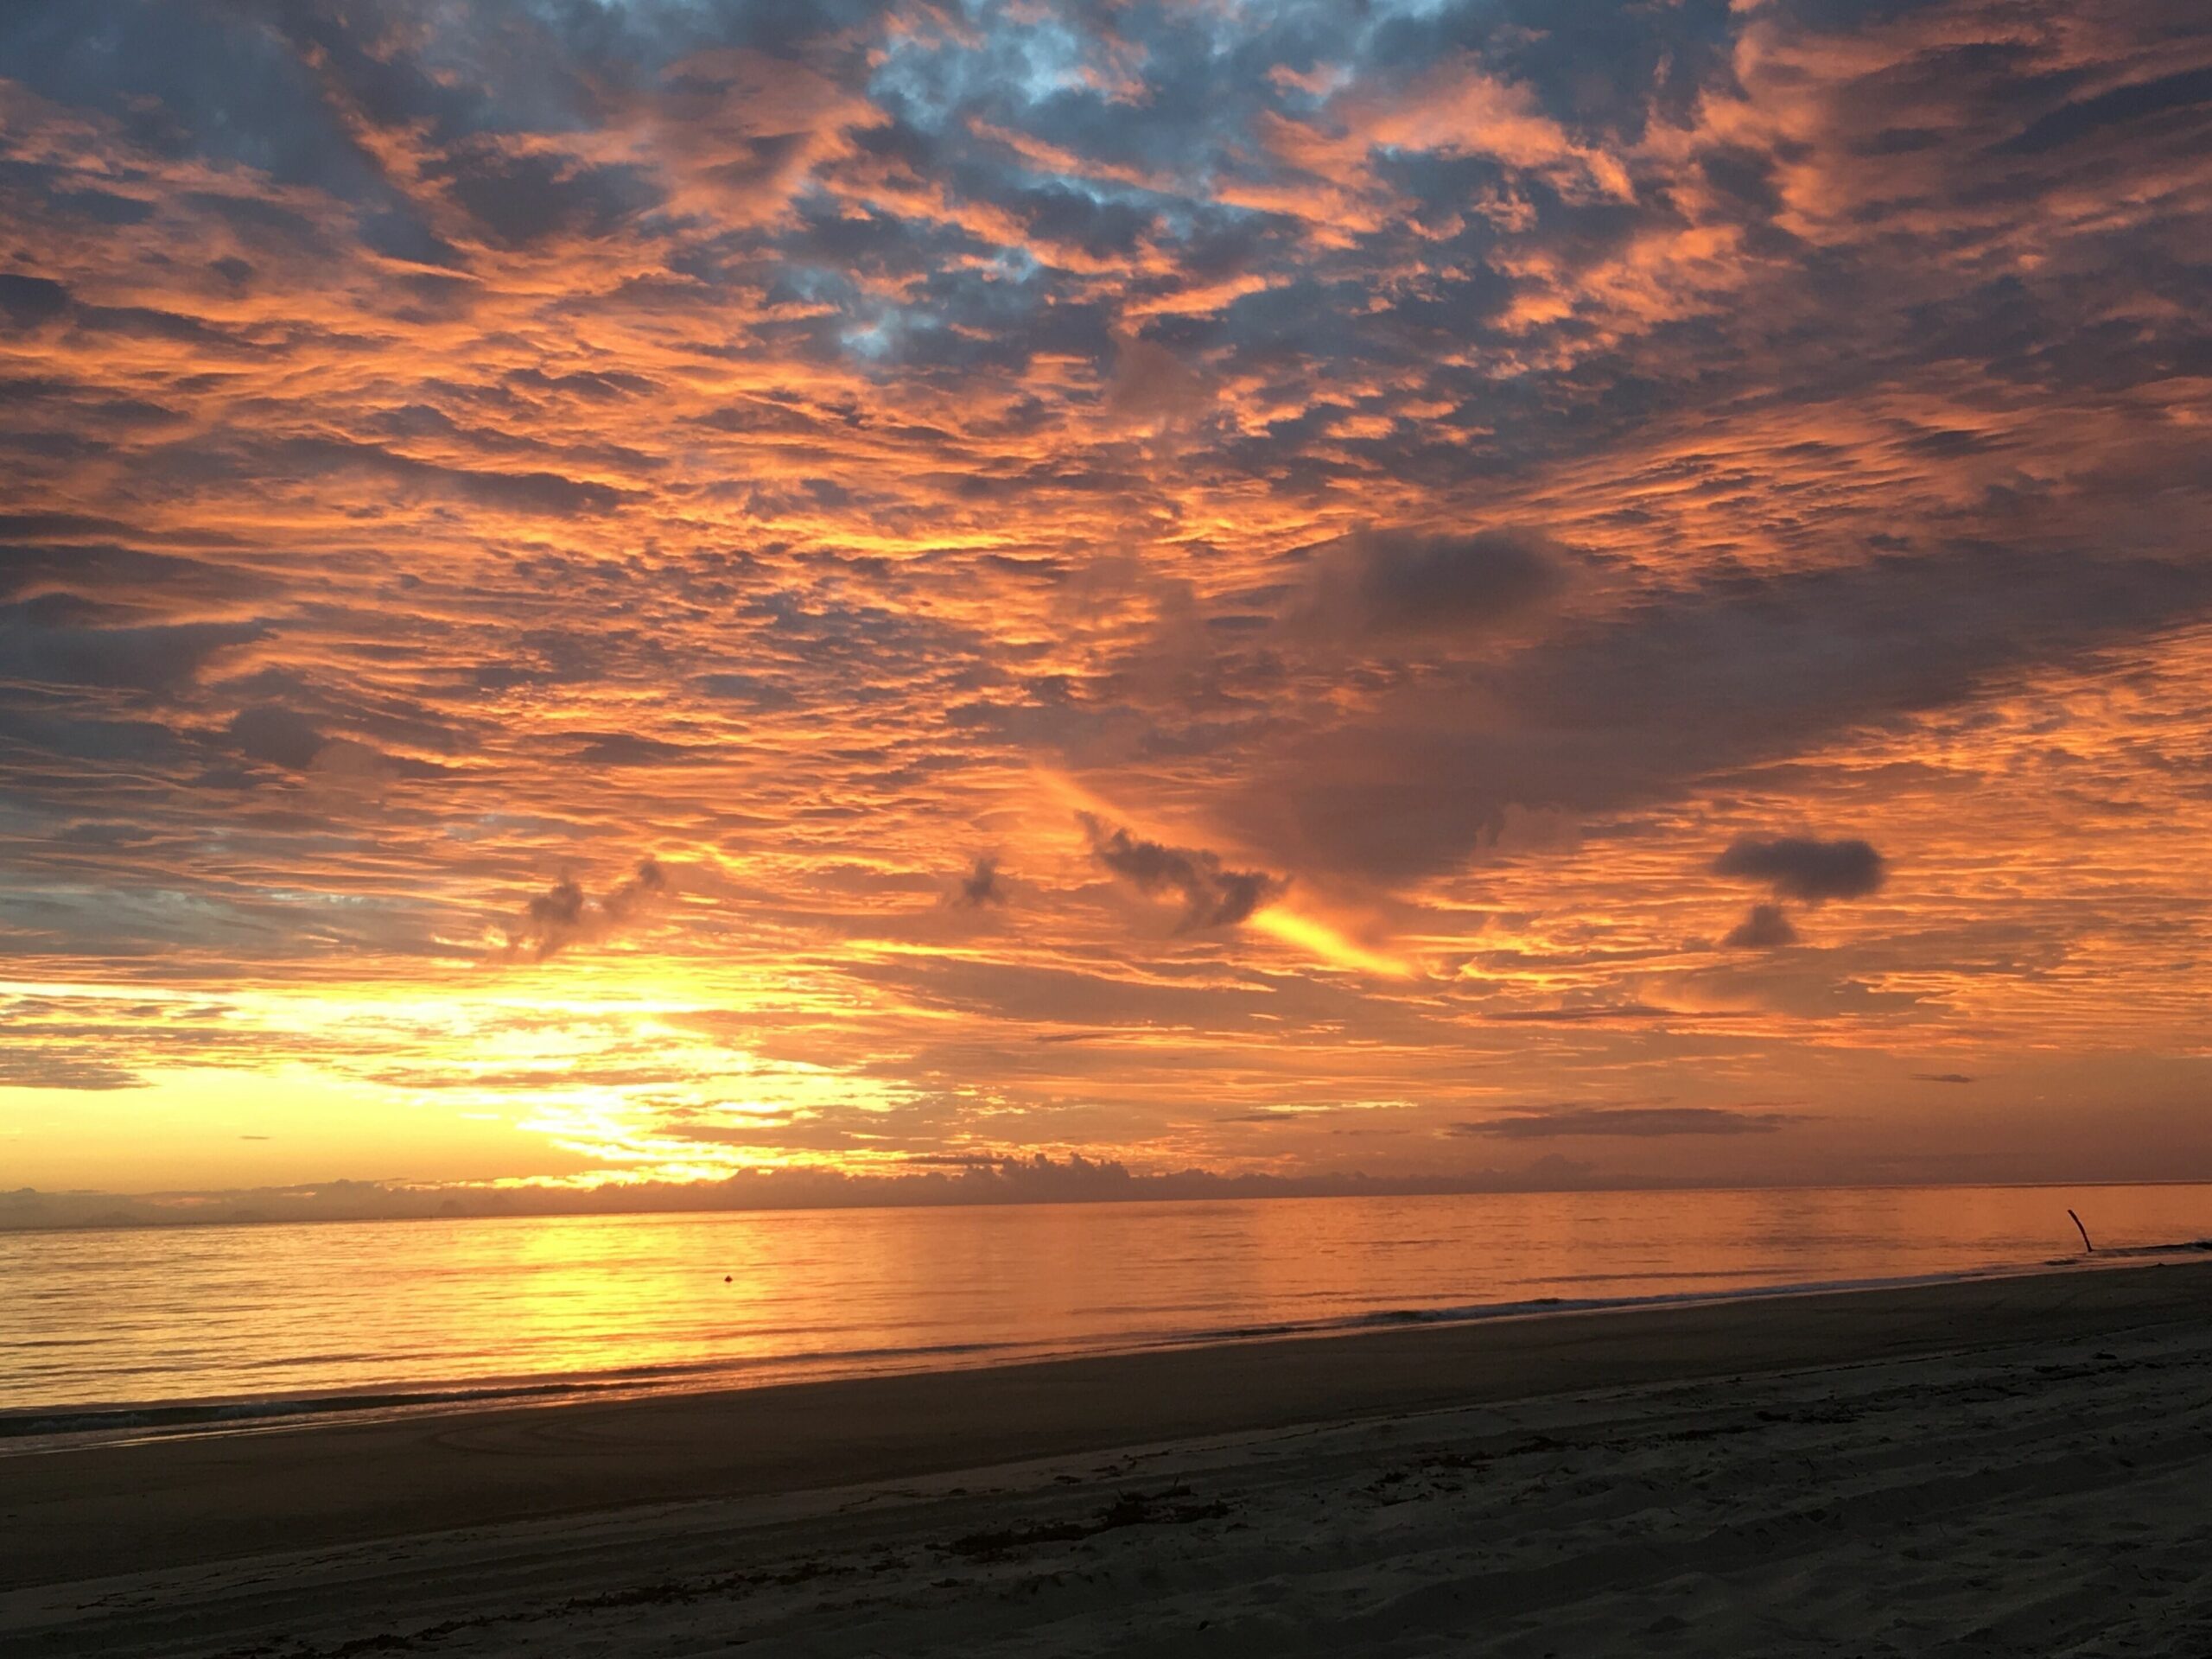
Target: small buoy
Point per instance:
(726, 1279)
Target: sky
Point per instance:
(613, 593)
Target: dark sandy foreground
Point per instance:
(2010, 1467)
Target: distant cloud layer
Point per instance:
(1625, 1121)
(654, 590)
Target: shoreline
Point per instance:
(87, 1511)
(33, 1431)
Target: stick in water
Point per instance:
(2084, 1231)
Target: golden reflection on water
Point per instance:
(234, 1312)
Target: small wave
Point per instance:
(168, 1417)
(78, 1425)
(1528, 1307)
(20, 1425)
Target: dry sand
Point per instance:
(2011, 1466)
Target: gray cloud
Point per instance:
(1644, 703)
(49, 643)
(20, 1069)
(2185, 91)
(1799, 866)
(1213, 896)
(553, 495)
(565, 915)
(43, 555)
(282, 737)
(1400, 584)
(28, 301)
(980, 886)
(1766, 928)
(520, 200)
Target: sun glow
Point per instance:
(1318, 938)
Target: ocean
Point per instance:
(126, 1333)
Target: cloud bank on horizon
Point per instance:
(638, 590)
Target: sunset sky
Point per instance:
(1532, 590)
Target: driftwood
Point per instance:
(2084, 1231)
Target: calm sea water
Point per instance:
(195, 1326)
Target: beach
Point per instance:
(2006, 1465)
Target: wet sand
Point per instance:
(2002, 1466)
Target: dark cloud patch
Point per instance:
(642, 887)
(1396, 583)
(46, 644)
(252, 216)
(24, 1068)
(16, 527)
(1584, 1014)
(172, 327)
(122, 576)
(565, 915)
(1150, 382)
(103, 206)
(595, 385)
(78, 404)
(80, 739)
(2186, 94)
(1049, 571)
(1765, 928)
(755, 689)
(1800, 867)
(1627, 1122)
(281, 737)
(192, 80)
(1213, 895)
(550, 493)
(1102, 229)
(551, 921)
(980, 886)
(397, 233)
(629, 749)
(1674, 686)
(26, 301)
(1944, 1076)
(522, 200)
